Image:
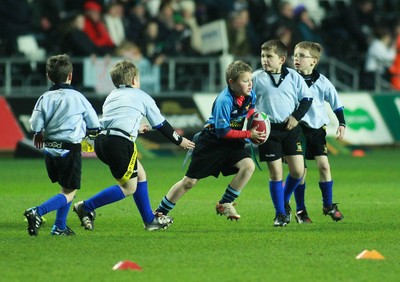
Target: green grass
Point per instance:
(201, 246)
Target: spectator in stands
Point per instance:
(260, 13)
(13, 24)
(149, 73)
(129, 50)
(150, 45)
(309, 31)
(192, 33)
(165, 18)
(242, 38)
(359, 23)
(47, 16)
(395, 67)
(114, 20)
(136, 18)
(74, 41)
(212, 10)
(379, 57)
(314, 8)
(285, 34)
(152, 7)
(170, 29)
(95, 28)
(286, 23)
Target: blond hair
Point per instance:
(123, 73)
(314, 48)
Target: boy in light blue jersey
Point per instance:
(123, 111)
(284, 96)
(306, 58)
(60, 119)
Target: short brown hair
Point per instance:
(58, 68)
(235, 69)
(123, 72)
(276, 46)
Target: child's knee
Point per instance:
(247, 165)
(189, 183)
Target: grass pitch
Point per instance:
(201, 246)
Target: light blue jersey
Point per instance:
(125, 107)
(63, 114)
(279, 99)
(323, 91)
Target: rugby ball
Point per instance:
(261, 120)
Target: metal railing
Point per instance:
(178, 75)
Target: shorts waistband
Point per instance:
(63, 145)
(280, 125)
(116, 132)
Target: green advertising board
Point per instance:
(389, 106)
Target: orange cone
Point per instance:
(358, 153)
(373, 254)
(126, 265)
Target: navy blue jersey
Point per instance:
(226, 114)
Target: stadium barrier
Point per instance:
(372, 120)
(181, 112)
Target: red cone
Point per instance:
(126, 265)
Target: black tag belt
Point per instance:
(62, 145)
(107, 131)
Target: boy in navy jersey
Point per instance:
(306, 58)
(284, 96)
(60, 120)
(123, 111)
(220, 145)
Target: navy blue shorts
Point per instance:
(315, 142)
(66, 170)
(281, 143)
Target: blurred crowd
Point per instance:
(361, 33)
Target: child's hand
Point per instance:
(144, 128)
(340, 132)
(38, 140)
(291, 122)
(258, 137)
(187, 144)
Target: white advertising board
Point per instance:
(365, 125)
(214, 37)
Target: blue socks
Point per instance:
(299, 193)
(276, 191)
(61, 216)
(52, 204)
(107, 196)
(141, 197)
(290, 185)
(326, 189)
(229, 196)
(59, 203)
